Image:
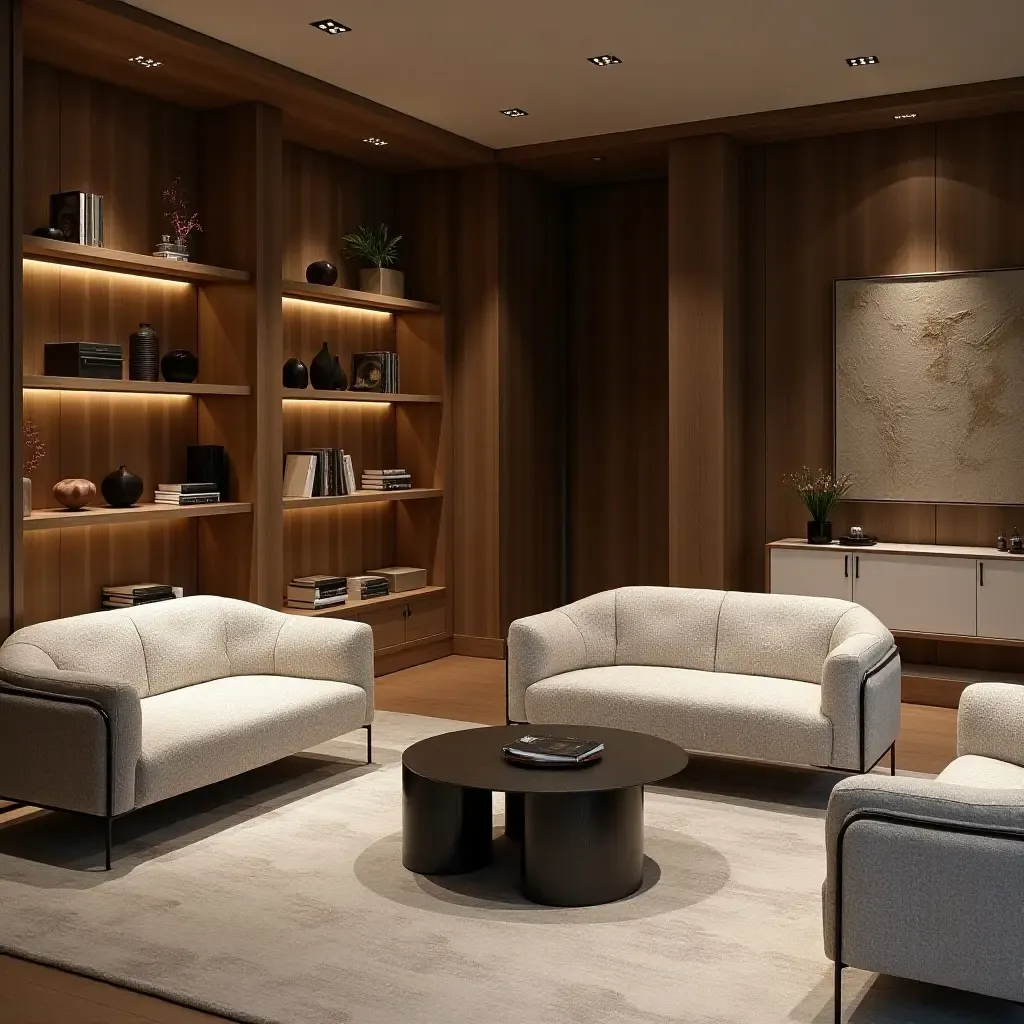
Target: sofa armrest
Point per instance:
(541, 646)
(53, 731)
(861, 678)
(990, 721)
(323, 648)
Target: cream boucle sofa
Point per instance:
(930, 872)
(765, 676)
(108, 712)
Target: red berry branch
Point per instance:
(182, 222)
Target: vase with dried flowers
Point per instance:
(820, 492)
(182, 221)
(33, 451)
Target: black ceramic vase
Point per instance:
(295, 375)
(322, 272)
(340, 380)
(144, 354)
(322, 373)
(180, 366)
(55, 233)
(819, 533)
(122, 488)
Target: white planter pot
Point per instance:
(383, 282)
(26, 496)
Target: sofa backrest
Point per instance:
(776, 635)
(157, 647)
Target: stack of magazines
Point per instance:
(187, 494)
(134, 594)
(553, 751)
(313, 592)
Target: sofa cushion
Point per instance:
(725, 713)
(983, 772)
(667, 626)
(777, 634)
(210, 731)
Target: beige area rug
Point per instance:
(280, 897)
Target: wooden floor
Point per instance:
(468, 689)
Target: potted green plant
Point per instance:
(820, 492)
(377, 252)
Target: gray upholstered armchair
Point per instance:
(104, 713)
(926, 876)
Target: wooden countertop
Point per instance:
(885, 547)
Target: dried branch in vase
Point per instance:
(818, 490)
(182, 219)
(33, 447)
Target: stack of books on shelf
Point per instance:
(386, 480)
(312, 592)
(376, 371)
(365, 587)
(131, 595)
(187, 494)
(318, 473)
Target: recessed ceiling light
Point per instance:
(904, 117)
(145, 62)
(859, 62)
(374, 141)
(514, 112)
(330, 26)
(597, 159)
(604, 60)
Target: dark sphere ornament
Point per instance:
(122, 488)
(55, 233)
(322, 272)
(322, 372)
(180, 366)
(295, 375)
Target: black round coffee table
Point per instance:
(581, 829)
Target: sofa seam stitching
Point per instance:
(145, 660)
(718, 626)
(277, 640)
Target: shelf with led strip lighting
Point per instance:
(59, 519)
(364, 497)
(352, 608)
(131, 387)
(94, 256)
(356, 299)
(310, 395)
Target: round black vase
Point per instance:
(144, 354)
(322, 272)
(180, 366)
(295, 375)
(55, 233)
(122, 488)
(819, 533)
(322, 374)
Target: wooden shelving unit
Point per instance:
(354, 299)
(133, 387)
(364, 498)
(70, 254)
(311, 395)
(354, 609)
(149, 512)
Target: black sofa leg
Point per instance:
(892, 759)
(110, 839)
(369, 743)
(837, 995)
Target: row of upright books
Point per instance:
(133, 595)
(187, 494)
(318, 473)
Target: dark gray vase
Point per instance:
(295, 375)
(180, 366)
(322, 272)
(144, 354)
(322, 373)
(122, 488)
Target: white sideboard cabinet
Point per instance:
(915, 589)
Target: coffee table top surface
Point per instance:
(473, 758)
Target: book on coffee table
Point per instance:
(553, 751)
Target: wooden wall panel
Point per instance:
(326, 197)
(618, 433)
(101, 138)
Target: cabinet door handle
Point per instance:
(846, 567)
(856, 564)
(981, 573)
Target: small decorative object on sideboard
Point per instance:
(820, 492)
(377, 252)
(179, 366)
(325, 372)
(322, 272)
(295, 375)
(34, 450)
(1001, 544)
(857, 538)
(74, 493)
(122, 488)
(78, 216)
(144, 353)
(1016, 544)
(182, 221)
(83, 359)
(54, 234)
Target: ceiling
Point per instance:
(457, 63)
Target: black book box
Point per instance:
(206, 462)
(82, 359)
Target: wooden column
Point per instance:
(704, 365)
(10, 313)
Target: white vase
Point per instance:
(26, 496)
(381, 281)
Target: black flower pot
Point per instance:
(295, 374)
(144, 354)
(180, 366)
(322, 371)
(122, 488)
(322, 272)
(819, 533)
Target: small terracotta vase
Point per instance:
(74, 493)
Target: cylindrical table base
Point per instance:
(446, 830)
(582, 849)
(514, 810)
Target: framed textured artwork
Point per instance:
(929, 387)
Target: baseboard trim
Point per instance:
(418, 652)
(478, 647)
